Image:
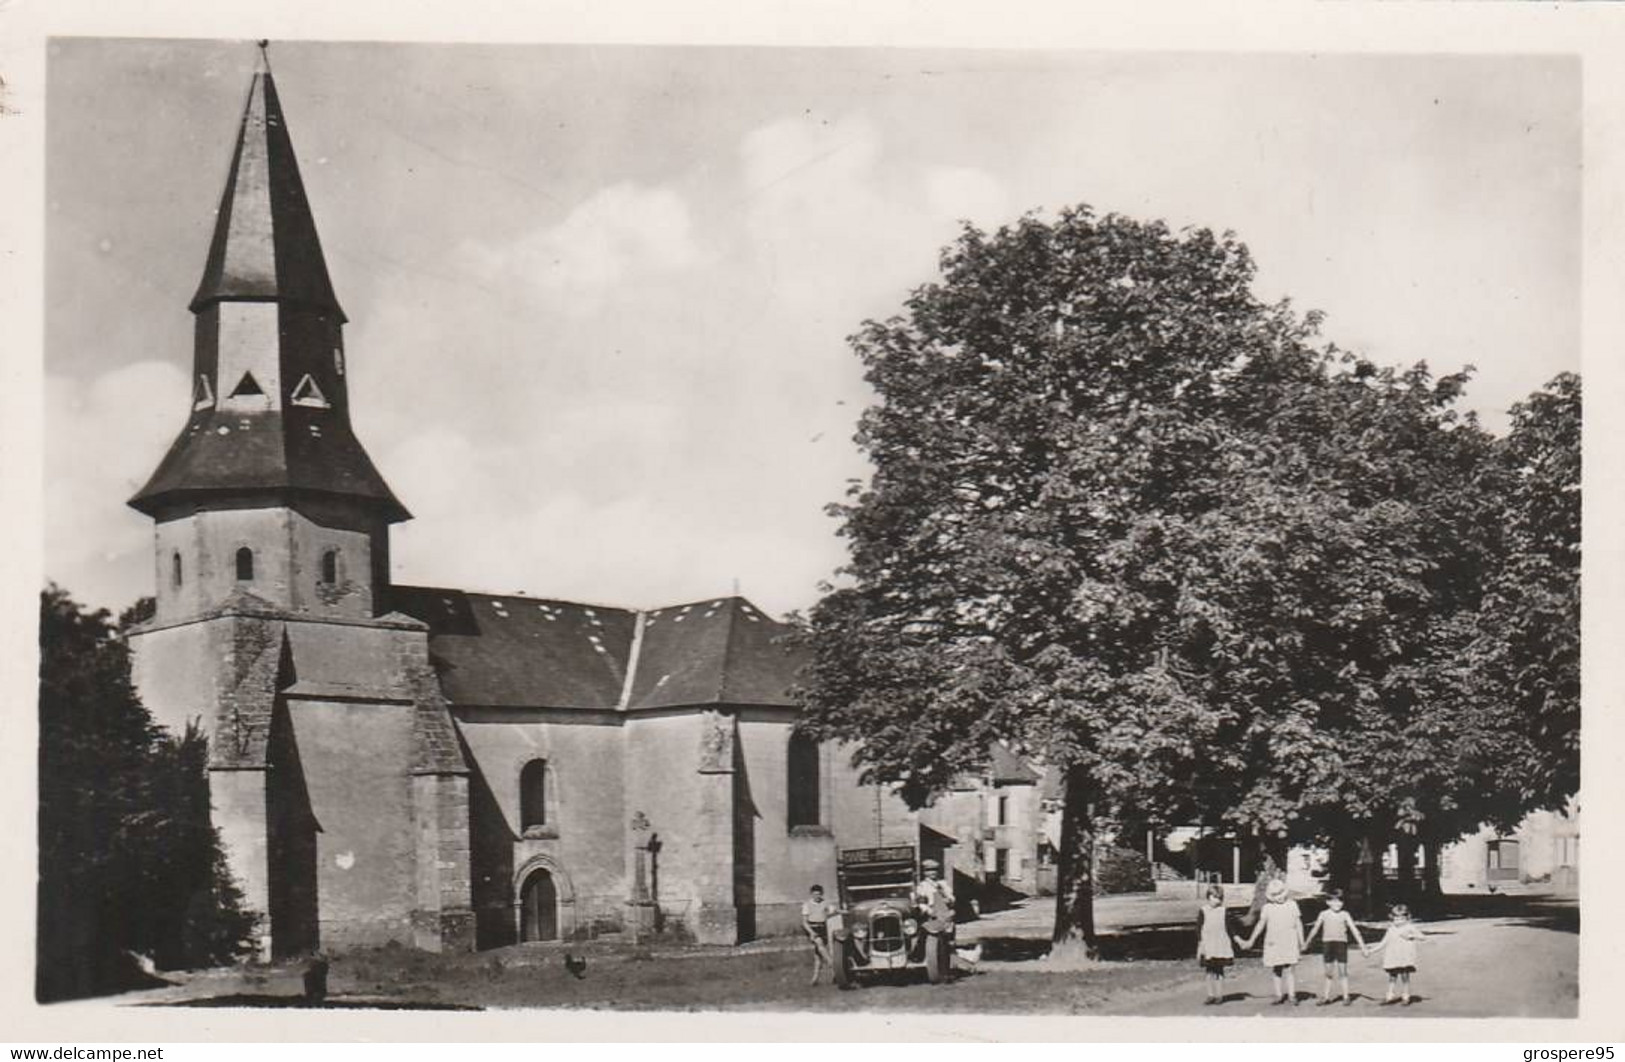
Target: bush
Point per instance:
(1119, 870)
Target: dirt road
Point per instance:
(1511, 958)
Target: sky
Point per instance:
(598, 296)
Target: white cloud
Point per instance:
(619, 234)
(102, 442)
(794, 157)
(962, 193)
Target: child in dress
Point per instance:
(1282, 926)
(1213, 949)
(1398, 949)
(1334, 926)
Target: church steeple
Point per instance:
(265, 243)
(267, 492)
(270, 402)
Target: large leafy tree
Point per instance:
(1134, 521)
(128, 859)
(1522, 741)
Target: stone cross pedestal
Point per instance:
(641, 906)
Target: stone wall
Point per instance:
(786, 860)
(353, 757)
(287, 544)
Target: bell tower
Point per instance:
(335, 777)
(267, 490)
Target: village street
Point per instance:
(1485, 957)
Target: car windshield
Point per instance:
(877, 874)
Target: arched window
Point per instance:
(330, 566)
(245, 565)
(533, 795)
(175, 568)
(803, 797)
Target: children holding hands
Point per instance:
(1334, 926)
(1398, 949)
(1213, 949)
(1281, 924)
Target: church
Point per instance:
(432, 766)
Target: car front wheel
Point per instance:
(936, 959)
(840, 957)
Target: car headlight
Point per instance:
(910, 926)
(861, 932)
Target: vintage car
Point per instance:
(880, 926)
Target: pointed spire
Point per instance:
(270, 404)
(265, 244)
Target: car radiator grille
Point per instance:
(886, 934)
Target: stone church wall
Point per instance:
(582, 843)
(693, 865)
(353, 757)
(176, 672)
(786, 861)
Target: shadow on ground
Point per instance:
(244, 999)
(1164, 940)
(1126, 944)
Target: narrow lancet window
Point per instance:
(330, 566)
(245, 565)
(175, 569)
(533, 795)
(803, 798)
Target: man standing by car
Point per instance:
(815, 912)
(932, 894)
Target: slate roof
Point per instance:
(265, 244)
(721, 651)
(224, 451)
(515, 651)
(265, 249)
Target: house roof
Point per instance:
(516, 651)
(1006, 768)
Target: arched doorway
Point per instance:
(538, 908)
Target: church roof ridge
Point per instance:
(519, 595)
(633, 610)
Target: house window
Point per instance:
(533, 795)
(330, 566)
(175, 569)
(803, 797)
(245, 565)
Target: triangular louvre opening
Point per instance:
(202, 394)
(308, 394)
(247, 386)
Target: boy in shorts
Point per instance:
(815, 914)
(1334, 926)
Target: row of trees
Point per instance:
(1134, 522)
(129, 863)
